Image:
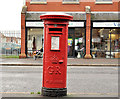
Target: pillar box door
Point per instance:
(55, 54)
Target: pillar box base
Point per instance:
(88, 56)
(54, 92)
(22, 55)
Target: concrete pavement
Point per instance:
(69, 96)
(71, 62)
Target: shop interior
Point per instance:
(34, 40)
(76, 42)
(105, 43)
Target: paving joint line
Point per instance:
(67, 64)
(68, 93)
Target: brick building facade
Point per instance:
(93, 33)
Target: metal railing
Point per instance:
(10, 43)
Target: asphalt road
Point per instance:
(80, 80)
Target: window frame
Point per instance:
(70, 2)
(104, 2)
(38, 2)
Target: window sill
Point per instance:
(38, 2)
(70, 3)
(109, 2)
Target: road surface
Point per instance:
(80, 80)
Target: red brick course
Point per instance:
(88, 27)
(58, 6)
(22, 55)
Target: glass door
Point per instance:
(76, 42)
(71, 42)
(79, 42)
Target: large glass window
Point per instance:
(115, 43)
(34, 40)
(76, 42)
(105, 43)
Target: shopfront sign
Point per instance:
(76, 24)
(34, 24)
(40, 24)
(106, 24)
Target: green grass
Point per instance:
(35, 93)
(9, 56)
(32, 92)
(38, 92)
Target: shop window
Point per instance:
(70, 42)
(34, 40)
(100, 43)
(70, 1)
(103, 1)
(38, 2)
(105, 43)
(76, 42)
(115, 43)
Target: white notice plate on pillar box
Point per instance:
(55, 42)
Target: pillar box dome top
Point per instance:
(52, 16)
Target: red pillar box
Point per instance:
(55, 54)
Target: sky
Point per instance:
(10, 15)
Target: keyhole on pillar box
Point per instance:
(54, 70)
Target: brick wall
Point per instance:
(22, 55)
(58, 6)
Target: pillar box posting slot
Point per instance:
(55, 54)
